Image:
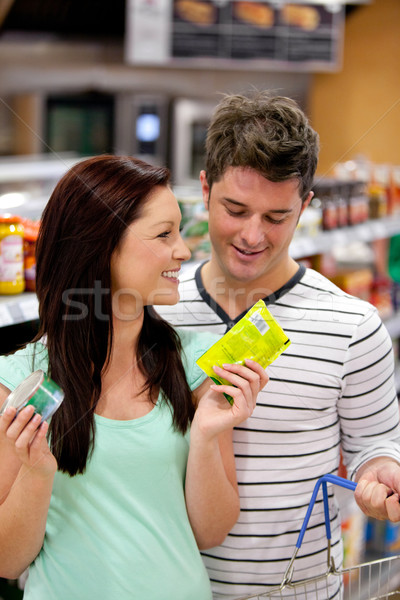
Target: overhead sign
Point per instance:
(282, 35)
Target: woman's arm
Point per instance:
(212, 496)
(10, 465)
(27, 470)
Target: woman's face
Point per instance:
(145, 265)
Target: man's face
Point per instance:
(251, 223)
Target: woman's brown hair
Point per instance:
(82, 224)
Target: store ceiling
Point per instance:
(73, 18)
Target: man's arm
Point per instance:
(369, 420)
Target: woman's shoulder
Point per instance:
(17, 366)
(196, 342)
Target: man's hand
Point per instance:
(378, 489)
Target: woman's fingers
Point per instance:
(258, 369)
(27, 434)
(242, 383)
(20, 422)
(7, 418)
(249, 379)
(24, 430)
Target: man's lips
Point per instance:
(247, 253)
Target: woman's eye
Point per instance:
(165, 234)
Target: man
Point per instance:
(332, 391)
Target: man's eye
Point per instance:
(234, 213)
(275, 221)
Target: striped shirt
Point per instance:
(331, 391)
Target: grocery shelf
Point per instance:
(393, 325)
(19, 308)
(324, 241)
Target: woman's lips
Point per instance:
(171, 275)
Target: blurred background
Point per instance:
(84, 77)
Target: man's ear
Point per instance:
(306, 202)
(204, 188)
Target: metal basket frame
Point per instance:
(372, 578)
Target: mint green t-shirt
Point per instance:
(120, 530)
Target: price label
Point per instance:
(29, 309)
(5, 317)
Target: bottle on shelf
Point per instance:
(12, 279)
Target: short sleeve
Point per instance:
(194, 344)
(14, 368)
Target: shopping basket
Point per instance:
(367, 581)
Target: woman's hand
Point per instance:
(25, 436)
(27, 469)
(214, 413)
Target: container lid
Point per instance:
(24, 391)
(8, 218)
(31, 229)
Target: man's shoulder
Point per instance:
(318, 287)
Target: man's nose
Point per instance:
(253, 232)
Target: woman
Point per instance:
(119, 500)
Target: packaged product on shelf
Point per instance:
(380, 177)
(377, 201)
(383, 538)
(353, 525)
(394, 258)
(310, 222)
(195, 229)
(381, 296)
(31, 230)
(357, 283)
(358, 202)
(12, 279)
(341, 202)
(329, 209)
(395, 189)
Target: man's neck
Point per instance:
(235, 297)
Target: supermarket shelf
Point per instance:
(20, 308)
(393, 326)
(326, 240)
(43, 167)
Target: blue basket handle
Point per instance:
(345, 483)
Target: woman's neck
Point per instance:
(126, 334)
(123, 396)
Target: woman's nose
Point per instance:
(182, 252)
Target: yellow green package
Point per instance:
(257, 336)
